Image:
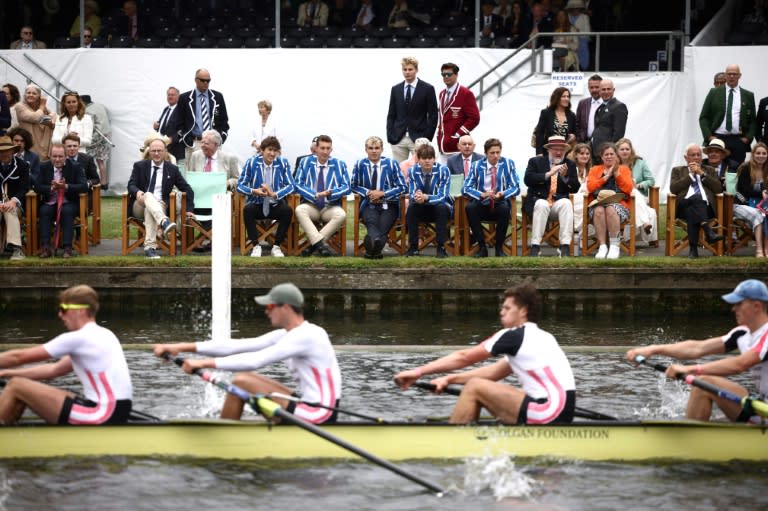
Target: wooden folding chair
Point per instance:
(195, 231)
(429, 232)
(590, 244)
(489, 230)
(32, 220)
(130, 223)
(738, 233)
(675, 245)
(551, 232)
(94, 214)
(266, 228)
(396, 238)
(653, 202)
(337, 242)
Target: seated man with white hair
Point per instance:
(209, 158)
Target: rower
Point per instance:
(548, 392)
(750, 306)
(91, 351)
(305, 347)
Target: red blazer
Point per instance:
(458, 116)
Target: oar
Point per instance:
(135, 415)
(332, 408)
(583, 413)
(760, 407)
(269, 408)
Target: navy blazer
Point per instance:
(33, 159)
(610, 123)
(176, 147)
(5, 114)
(455, 162)
(142, 173)
(73, 175)
(185, 120)
(15, 182)
(538, 184)
(88, 165)
(762, 121)
(419, 120)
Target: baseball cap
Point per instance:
(751, 289)
(282, 294)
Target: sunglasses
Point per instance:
(271, 306)
(446, 75)
(204, 80)
(64, 307)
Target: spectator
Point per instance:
(131, 23)
(88, 39)
(101, 144)
(73, 120)
(413, 160)
(461, 162)
(35, 117)
(556, 119)
(200, 109)
(166, 122)
(564, 55)
(719, 79)
(517, 26)
(266, 127)
(5, 114)
(313, 13)
(504, 9)
(610, 118)
(458, 111)
(27, 40)
(585, 111)
(580, 22)
(13, 96)
(762, 121)
(717, 158)
(538, 22)
(92, 20)
(14, 172)
(210, 158)
(399, 15)
(582, 157)
(750, 190)
(645, 215)
(366, 16)
(22, 139)
(491, 25)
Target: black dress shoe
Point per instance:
(693, 253)
(378, 246)
(535, 249)
(565, 250)
(412, 251)
(482, 252)
(440, 253)
(308, 251)
(500, 252)
(322, 250)
(368, 244)
(711, 235)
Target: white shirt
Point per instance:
(592, 109)
(158, 190)
(735, 112)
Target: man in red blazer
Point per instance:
(459, 114)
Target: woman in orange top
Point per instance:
(609, 211)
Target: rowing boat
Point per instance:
(595, 441)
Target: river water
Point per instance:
(605, 383)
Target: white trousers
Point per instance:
(561, 210)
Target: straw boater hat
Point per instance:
(606, 197)
(555, 141)
(716, 145)
(575, 4)
(6, 143)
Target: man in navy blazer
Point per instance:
(412, 111)
(610, 119)
(461, 162)
(70, 180)
(191, 120)
(149, 197)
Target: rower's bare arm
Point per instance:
(174, 349)
(21, 356)
(456, 360)
(683, 350)
(42, 371)
(723, 367)
(495, 372)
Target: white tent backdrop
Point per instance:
(345, 94)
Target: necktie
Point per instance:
(729, 111)
(164, 119)
(207, 165)
(697, 188)
(428, 183)
(204, 112)
(268, 181)
(407, 96)
(552, 188)
(375, 177)
(153, 179)
(466, 166)
(493, 186)
(446, 98)
(320, 202)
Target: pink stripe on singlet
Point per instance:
(310, 412)
(757, 348)
(553, 407)
(104, 408)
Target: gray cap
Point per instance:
(282, 294)
(751, 289)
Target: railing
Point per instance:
(59, 86)
(535, 59)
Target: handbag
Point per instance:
(533, 137)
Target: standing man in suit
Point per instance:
(490, 184)
(166, 122)
(27, 40)
(412, 111)
(551, 179)
(695, 186)
(210, 158)
(586, 109)
(762, 121)
(322, 182)
(61, 182)
(459, 114)
(729, 114)
(149, 190)
(379, 182)
(460, 163)
(610, 119)
(200, 109)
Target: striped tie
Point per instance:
(204, 113)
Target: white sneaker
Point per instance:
(276, 251)
(18, 254)
(602, 252)
(256, 252)
(613, 252)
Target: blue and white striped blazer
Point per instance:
(252, 176)
(506, 179)
(336, 180)
(441, 184)
(392, 181)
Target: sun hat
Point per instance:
(282, 294)
(751, 289)
(6, 143)
(716, 145)
(555, 141)
(606, 197)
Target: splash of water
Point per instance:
(5, 488)
(499, 474)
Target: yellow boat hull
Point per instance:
(631, 441)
